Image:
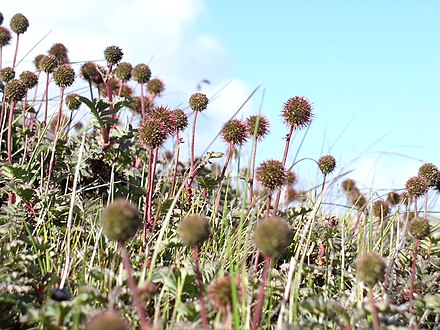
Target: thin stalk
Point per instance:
(286, 152)
(60, 111)
(413, 271)
(150, 201)
(425, 214)
(16, 51)
(177, 154)
(222, 177)
(134, 292)
(142, 101)
(193, 138)
(147, 213)
(374, 313)
(46, 94)
(260, 300)
(204, 315)
(251, 179)
(11, 119)
(24, 109)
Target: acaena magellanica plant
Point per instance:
(181, 124)
(370, 269)
(258, 128)
(5, 39)
(48, 64)
(297, 114)
(194, 230)
(416, 187)
(152, 134)
(272, 237)
(198, 102)
(120, 222)
(327, 164)
(30, 80)
(63, 76)
(431, 173)
(271, 175)
(221, 294)
(89, 72)
(141, 73)
(234, 133)
(14, 92)
(419, 228)
(19, 25)
(123, 73)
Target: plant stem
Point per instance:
(134, 289)
(11, 119)
(60, 111)
(177, 153)
(222, 176)
(147, 217)
(413, 271)
(260, 300)
(16, 51)
(193, 138)
(46, 100)
(286, 152)
(374, 313)
(204, 315)
(252, 177)
(142, 101)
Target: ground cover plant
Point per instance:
(102, 227)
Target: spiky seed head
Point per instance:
(19, 23)
(120, 220)
(327, 164)
(29, 79)
(107, 320)
(5, 36)
(272, 236)
(15, 90)
(194, 230)
(60, 52)
(220, 292)
(166, 117)
(89, 71)
(72, 101)
(297, 112)
(152, 133)
(64, 76)
(357, 199)
(430, 172)
(198, 102)
(48, 63)
(419, 228)
(393, 198)
(271, 174)
(257, 126)
(141, 73)
(234, 132)
(156, 87)
(181, 119)
(7, 74)
(349, 185)
(113, 55)
(370, 269)
(417, 186)
(381, 208)
(290, 178)
(123, 71)
(37, 61)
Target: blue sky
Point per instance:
(370, 68)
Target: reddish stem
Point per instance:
(413, 271)
(193, 138)
(16, 51)
(204, 315)
(374, 313)
(251, 179)
(228, 158)
(425, 215)
(286, 152)
(11, 119)
(60, 111)
(178, 141)
(142, 101)
(260, 299)
(134, 289)
(46, 100)
(147, 217)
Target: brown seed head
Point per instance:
(5, 36)
(7, 74)
(297, 112)
(327, 164)
(370, 269)
(198, 102)
(194, 230)
(234, 132)
(19, 23)
(123, 71)
(430, 172)
(64, 76)
(141, 73)
(257, 126)
(272, 236)
(60, 52)
(156, 87)
(417, 186)
(271, 174)
(29, 79)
